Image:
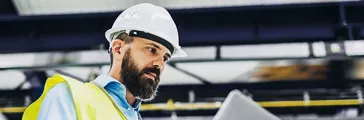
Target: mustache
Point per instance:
(154, 70)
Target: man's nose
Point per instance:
(158, 63)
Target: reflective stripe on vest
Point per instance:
(90, 102)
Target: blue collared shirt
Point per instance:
(58, 103)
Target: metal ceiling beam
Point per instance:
(197, 27)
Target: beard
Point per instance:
(142, 88)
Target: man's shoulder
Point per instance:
(58, 94)
(60, 89)
(57, 104)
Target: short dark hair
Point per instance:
(123, 37)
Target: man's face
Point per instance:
(141, 67)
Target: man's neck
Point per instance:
(129, 97)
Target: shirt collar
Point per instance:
(136, 105)
(104, 80)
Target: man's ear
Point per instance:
(118, 48)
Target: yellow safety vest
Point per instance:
(91, 102)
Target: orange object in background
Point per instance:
(291, 72)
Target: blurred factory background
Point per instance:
(298, 59)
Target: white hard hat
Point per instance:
(151, 22)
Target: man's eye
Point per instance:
(152, 50)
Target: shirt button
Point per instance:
(129, 108)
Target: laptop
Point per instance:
(238, 106)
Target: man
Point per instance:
(142, 39)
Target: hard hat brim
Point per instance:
(180, 53)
